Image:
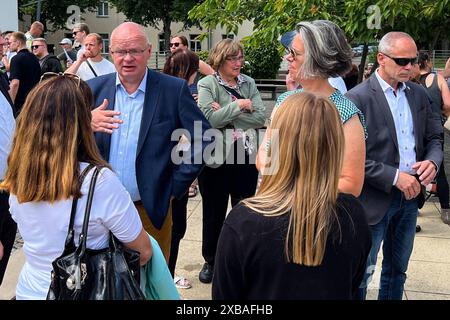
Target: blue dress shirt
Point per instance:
(404, 128)
(124, 140)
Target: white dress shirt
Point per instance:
(338, 83)
(7, 127)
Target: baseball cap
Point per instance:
(66, 41)
(286, 38)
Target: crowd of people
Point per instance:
(337, 173)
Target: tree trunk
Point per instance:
(167, 20)
(363, 62)
(436, 36)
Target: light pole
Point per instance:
(38, 10)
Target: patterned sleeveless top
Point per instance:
(345, 106)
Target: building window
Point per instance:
(105, 40)
(102, 9)
(228, 36)
(195, 44)
(161, 43)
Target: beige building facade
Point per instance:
(106, 18)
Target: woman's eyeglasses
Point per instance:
(402, 62)
(291, 52)
(174, 44)
(235, 59)
(49, 75)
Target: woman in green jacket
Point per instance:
(232, 104)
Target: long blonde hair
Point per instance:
(305, 186)
(53, 135)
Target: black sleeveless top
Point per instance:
(433, 91)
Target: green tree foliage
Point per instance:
(262, 61)
(425, 20)
(150, 13)
(271, 17)
(54, 14)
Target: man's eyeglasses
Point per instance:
(131, 52)
(34, 47)
(403, 62)
(291, 51)
(235, 59)
(75, 33)
(49, 75)
(174, 44)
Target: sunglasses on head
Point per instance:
(174, 44)
(49, 75)
(402, 61)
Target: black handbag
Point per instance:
(112, 273)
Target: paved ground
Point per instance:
(428, 273)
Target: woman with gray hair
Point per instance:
(316, 51)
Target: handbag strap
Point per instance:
(233, 92)
(70, 243)
(87, 212)
(90, 67)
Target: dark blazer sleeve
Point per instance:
(379, 174)
(195, 123)
(433, 132)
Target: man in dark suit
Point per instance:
(403, 153)
(135, 125)
(8, 227)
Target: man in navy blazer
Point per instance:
(139, 111)
(403, 153)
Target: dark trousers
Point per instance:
(8, 229)
(216, 185)
(442, 184)
(396, 230)
(179, 219)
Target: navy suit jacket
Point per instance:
(382, 153)
(168, 106)
(4, 88)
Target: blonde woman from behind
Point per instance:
(53, 144)
(298, 238)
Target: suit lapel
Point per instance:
(150, 104)
(384, 106)
(110, 94)
(413, 108)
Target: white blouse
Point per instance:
(43, 227)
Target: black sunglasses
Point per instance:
(75, 33)
(402, 61)
(36, 46)
(174, 44)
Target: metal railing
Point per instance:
(157, 60)
(438, 58)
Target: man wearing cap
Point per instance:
(68, 56)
